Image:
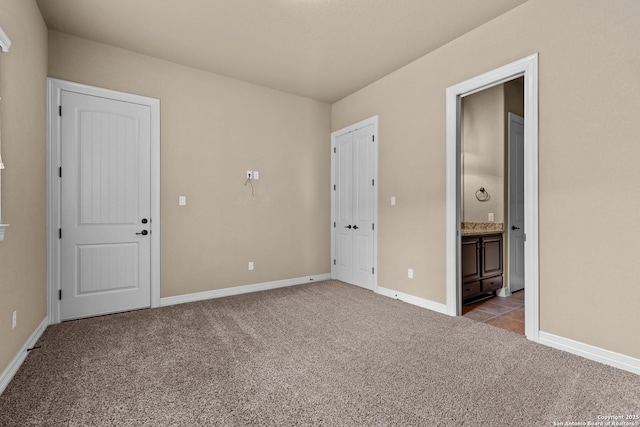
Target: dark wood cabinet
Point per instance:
(481, 262)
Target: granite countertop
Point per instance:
(481, 228)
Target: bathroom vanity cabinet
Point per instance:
(481, 259)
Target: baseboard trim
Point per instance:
(410, 299)
(22, 354)
(590, 352)
(245, 289)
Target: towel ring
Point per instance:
(482, 195)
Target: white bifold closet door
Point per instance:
(354, 207)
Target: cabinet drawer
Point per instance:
(492, 284)
(470, 290)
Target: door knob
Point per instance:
(143, 232)
(144, 220)
(513, 227)
(348, 226)
(355, 227)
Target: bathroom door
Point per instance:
(516, 203)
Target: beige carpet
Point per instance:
(319, 354)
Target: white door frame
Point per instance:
(55, 88)
(527, 67)
(370, 121)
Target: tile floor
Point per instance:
(502, 312)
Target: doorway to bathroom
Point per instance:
(485, 265)
(492, 198)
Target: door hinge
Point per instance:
(334, 187)
(373, 138)
(59, 233)
(373, 182)
(334, 149)
(373, 226)
(334, 262)
(60, 110)
(60, 172)
(334, 224)
(372, 270)
(60, 294)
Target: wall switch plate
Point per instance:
(491, 217)
(256, 175)
(250, 265)
(182, 200)
(410, 273)
(14, 320)
(393, 200)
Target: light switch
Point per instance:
(256, 175)
(393, 200)
(182, 200)
(491, 217)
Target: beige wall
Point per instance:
(214, 129)
(23, 260)
(485, 140)
(483, 150)
(588, 161)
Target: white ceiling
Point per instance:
(322, 49)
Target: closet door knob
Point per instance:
(355, 227)
(348, 226)
(513, 227)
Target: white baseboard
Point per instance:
(22, 354)
(590, 352)
(410, 299)
(237, 290)
(503, 292)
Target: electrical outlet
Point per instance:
(250, 265)
(249, 174)
(410, 273)
(14, 320)
(491, 217)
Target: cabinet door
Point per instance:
(470, 290)
(491, 284)
(470, 254)
(491, 256)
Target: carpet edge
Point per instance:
(244, 289)
(597, 354)
(11, 369)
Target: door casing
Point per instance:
(370, 121)
(527, 67)
(55, 87)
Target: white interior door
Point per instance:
(354, 179)
(105, 190)
(516, 203)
